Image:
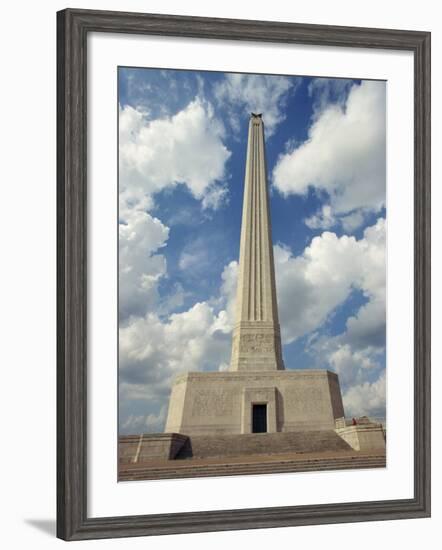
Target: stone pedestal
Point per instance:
(213, 403)
(364, 437)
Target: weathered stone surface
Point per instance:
(221, 402)
(127, 448)
(251, 466)
(363, 437)
(262, 444)
(144, 447)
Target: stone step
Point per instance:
(296, 465)
(269, 464)
(248, 469)
(267, 443)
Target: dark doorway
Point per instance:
(259, 419)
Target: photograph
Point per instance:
(217, 301)
(252, 223)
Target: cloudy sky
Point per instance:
(182, 147)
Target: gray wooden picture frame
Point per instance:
(73, 27)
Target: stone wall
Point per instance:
(220, 402)
(127, 448)
(363, 437)
(144, 447)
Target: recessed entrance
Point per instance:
(259, 419)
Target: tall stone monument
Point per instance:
(256, 394)
(216, 414)
(256, 344)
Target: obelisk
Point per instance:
(256, 344)
(256, 395)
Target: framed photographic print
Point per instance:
(243, 274)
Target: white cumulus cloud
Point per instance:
(241, 94)
(152, 422)
(368, 398)
(343, 156)
(186, 148)
(140, 267)
(352, 366)
(312, 285)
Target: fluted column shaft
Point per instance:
(256, 338)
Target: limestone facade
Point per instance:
(363, 437)
(210, 403)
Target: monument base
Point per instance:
(214, 403)
(369, 437)
(141, 448)
(266, 444)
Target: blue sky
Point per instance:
(182, 147)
